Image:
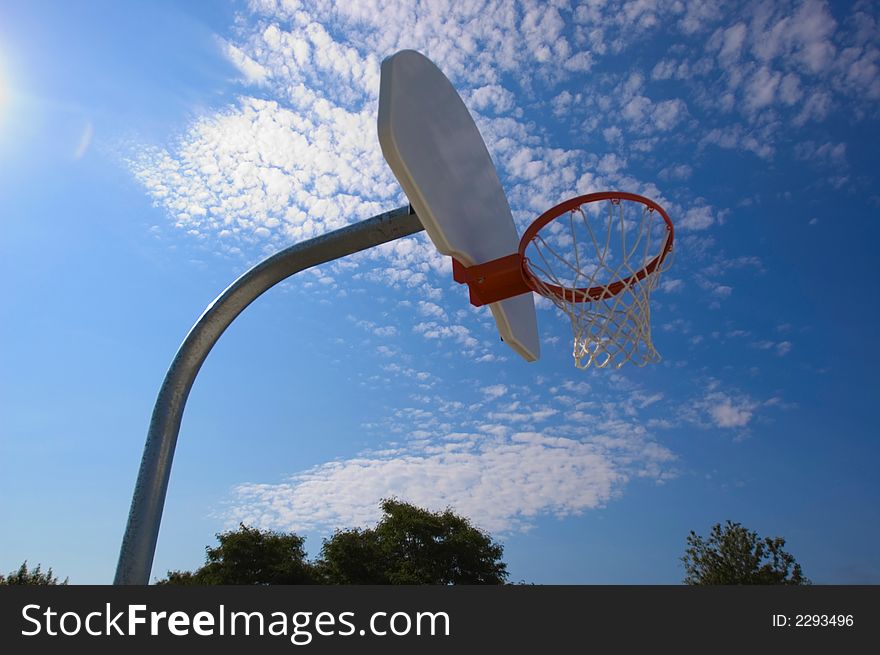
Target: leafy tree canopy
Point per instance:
(733, 555)
(412, 546)
(249, 556)
(408, 546)
(35, 576)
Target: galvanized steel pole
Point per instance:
(142, 531)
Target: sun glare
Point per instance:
(7, 101)
(4, 92)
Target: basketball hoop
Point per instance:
(596, 257)
(599, 262)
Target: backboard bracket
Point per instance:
(492, 281)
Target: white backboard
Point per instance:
(435, 150)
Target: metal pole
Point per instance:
(142, 531)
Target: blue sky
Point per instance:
(151, 152)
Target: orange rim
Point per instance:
(589, 294)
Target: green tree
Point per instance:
(412, 546)
(733, 555)
(36, 576)
(249, 556)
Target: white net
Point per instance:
(599, 263)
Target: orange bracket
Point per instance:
(492, 281)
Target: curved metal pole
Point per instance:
(142, 531)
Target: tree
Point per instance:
(733, 555)
(33, 577)
(408, 546)
(412, 546)
(249, 556)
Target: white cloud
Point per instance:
(495, 391)
(729, 42)
(676, 172)
(253, 72)
(802, 38)
(816, 108)
(527, 416)
(386, 351)
(699, 15)
(697, 218)
(671, 286)
(610, 163)
(728, 412)
(811, 29)
(825, 153)
(663, 69)
(735, 136)
(668, 113)
(636, 109)
(479, 463)
(494, 97)
(457, 333)
(612, 134)
(782, 348)
(761, 89)
(382, 331)
(580, 62)
(790, 89)
(426, 308)
(264, 166)
(501, 486)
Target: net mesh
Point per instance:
(595, 264)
